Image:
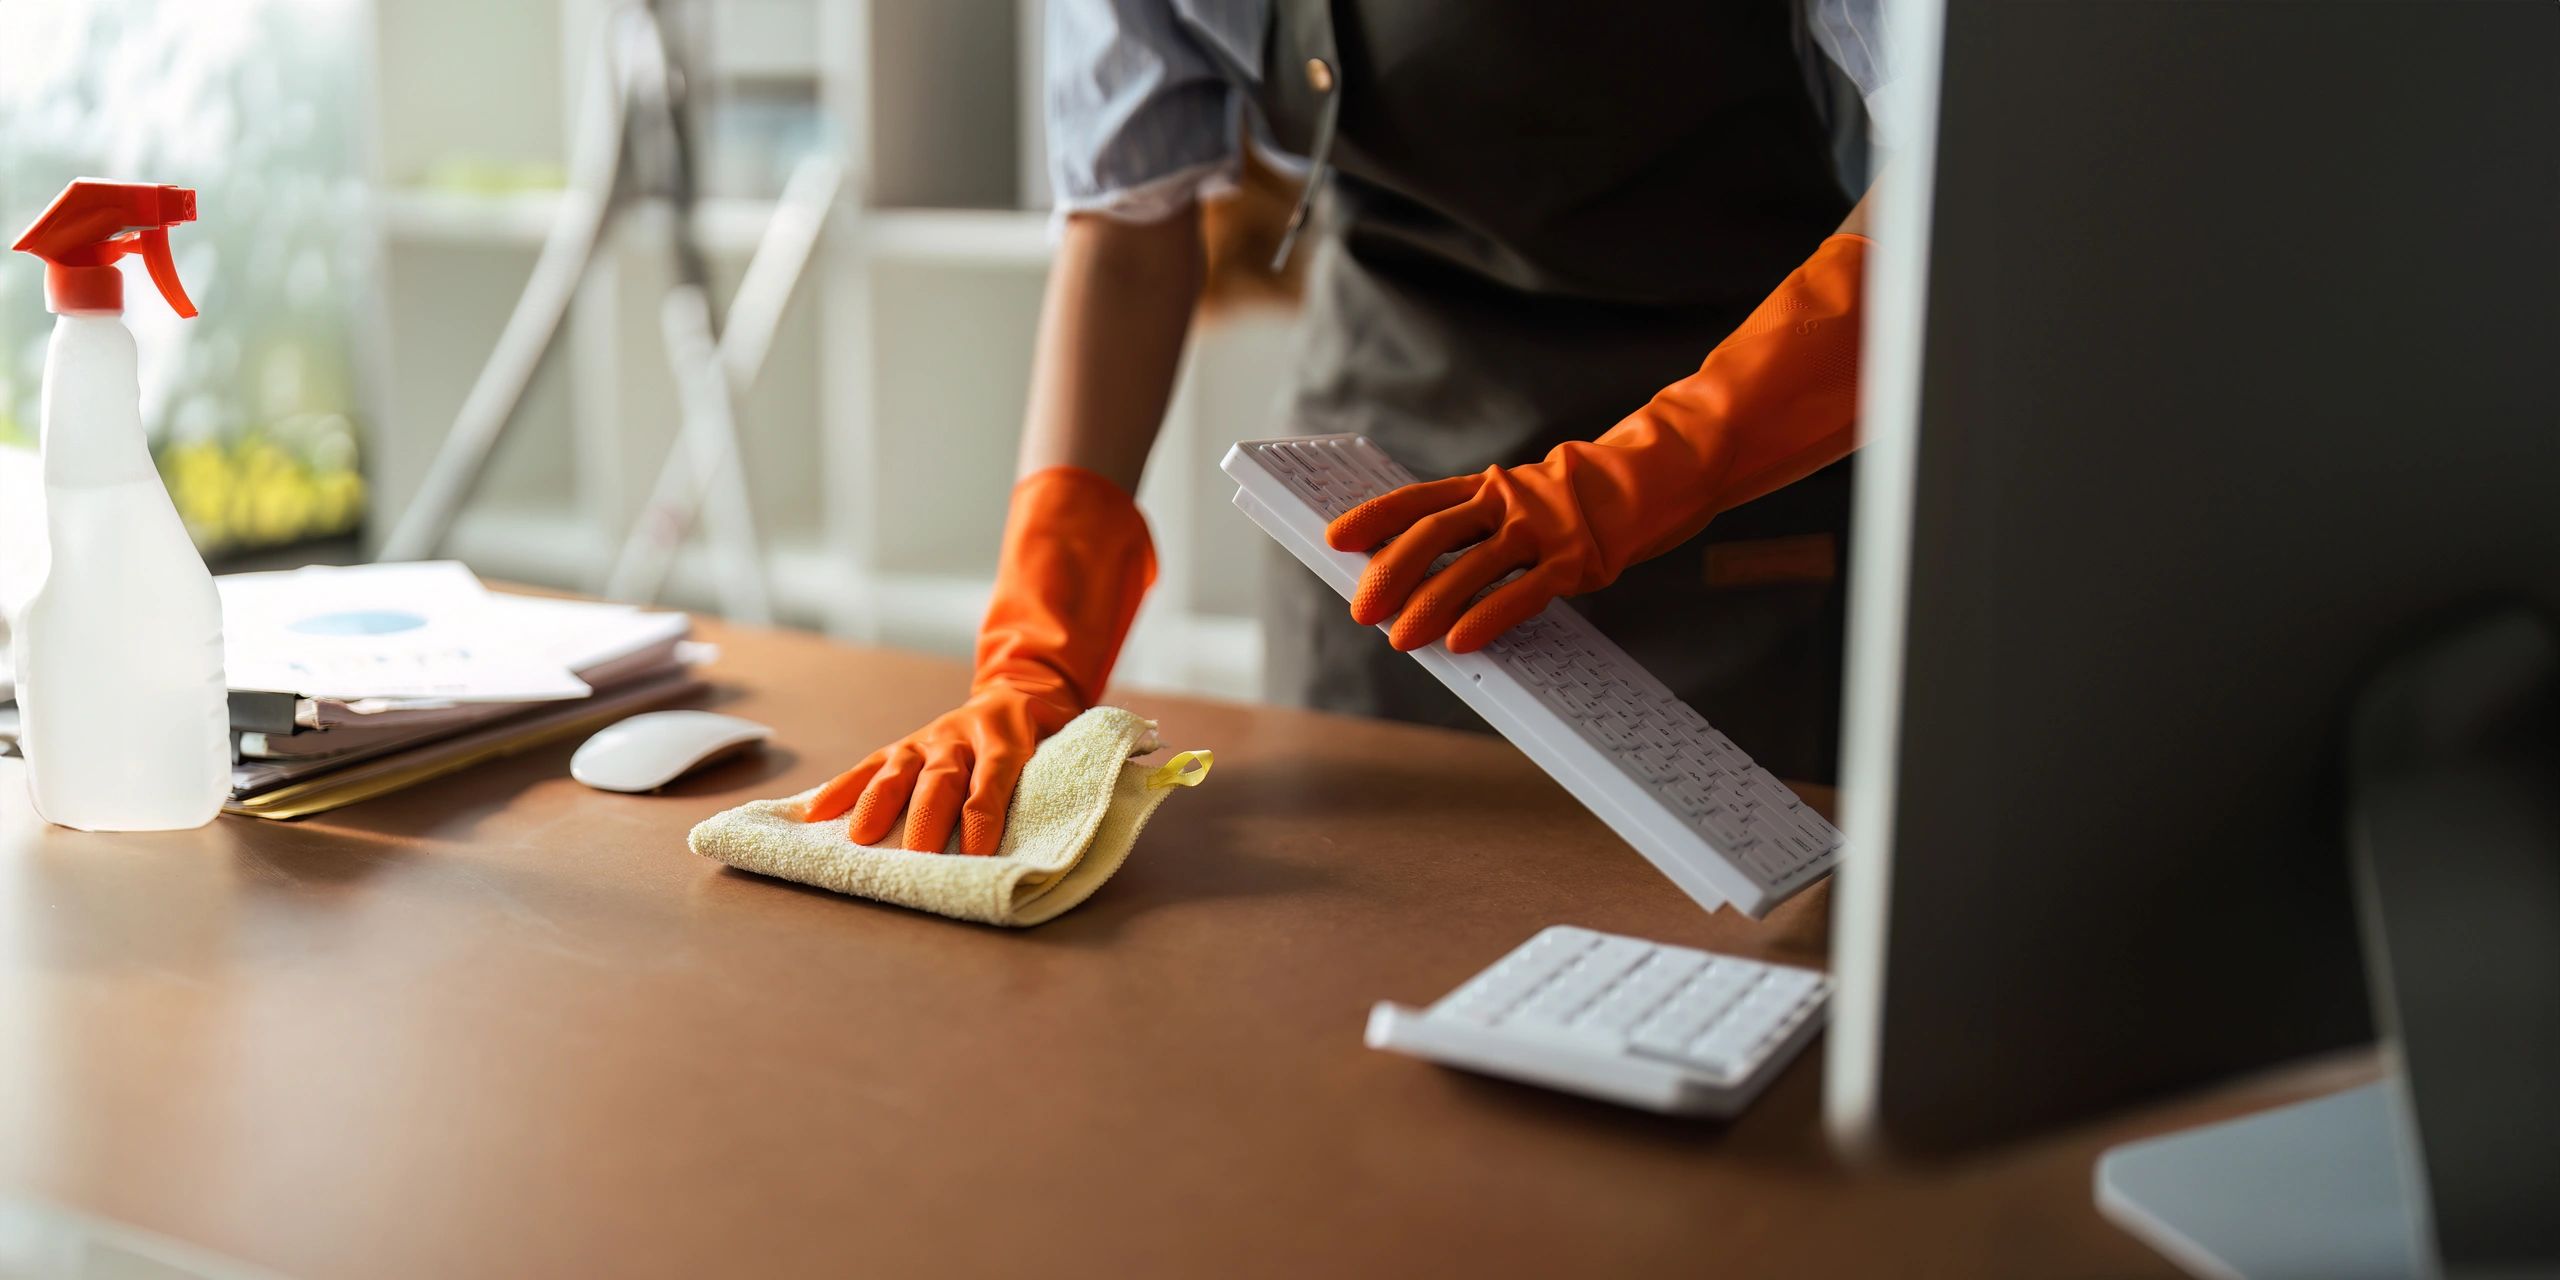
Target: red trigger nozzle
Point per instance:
(92, 224)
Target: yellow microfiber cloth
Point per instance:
(1079, 807)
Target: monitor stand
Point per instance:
(2313, 1189)
(2452, 783)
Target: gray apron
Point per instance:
(1531, 216)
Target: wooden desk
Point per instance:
(504, 1025)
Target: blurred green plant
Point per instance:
(257, 489)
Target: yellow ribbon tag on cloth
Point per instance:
(1178, 772)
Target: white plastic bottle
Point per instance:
(124, 718)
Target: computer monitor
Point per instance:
(2214, 352)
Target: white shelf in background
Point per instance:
(958, 237)
(562, 549)
(805, 579)
(469, 217)
(765, 40)
(544, 547)
(521, 219)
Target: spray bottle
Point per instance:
(123, 716)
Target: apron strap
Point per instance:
(1317, 81)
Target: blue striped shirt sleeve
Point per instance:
(1852, 34)
(1141, 119)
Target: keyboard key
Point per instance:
(1689, 1015)
(1696, 764)
(1554, 938)
(1756, 857)
(1578, 698)
(1547, 1011)
(1690, 796)
(1792, 841)
(1659, 1039)
(1676, 965)
(1719, 1053)
(1791, 985)
(1765, 790)
(1616, 955)
(1617, 1013)
(1719, 1063)
(1723, 984)
(1722, 826)
(1649, 763)
(1581, 986)
(1754, 1017)
(1612, 731)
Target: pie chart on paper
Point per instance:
(357, 622)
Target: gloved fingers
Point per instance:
(1507, 606)
(841, 791)
(1363, 527)
(940, 787)
(1443, 596)
(990, 795)
(882, 801)
(1393, 573)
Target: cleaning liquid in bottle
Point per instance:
(123, 717)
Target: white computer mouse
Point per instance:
(654, 748)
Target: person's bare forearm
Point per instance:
(1856, 223)
(1111, 331)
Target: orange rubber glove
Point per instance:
(1076, 561)
(1774, 403)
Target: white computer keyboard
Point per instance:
(1621, 1019)
(1724, 829)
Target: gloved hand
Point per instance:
(1076, 561)
(1773, 403)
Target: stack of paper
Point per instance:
(350, 682)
